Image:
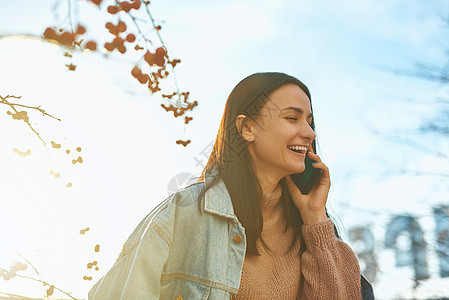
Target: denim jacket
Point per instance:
(181, 252)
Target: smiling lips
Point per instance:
(298, 149)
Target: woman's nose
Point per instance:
(308, 132)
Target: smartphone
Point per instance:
(306, 180)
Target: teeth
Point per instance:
(298, 148)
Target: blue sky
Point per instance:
(338, 50)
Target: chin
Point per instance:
(299, 169)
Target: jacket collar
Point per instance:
(217, 200)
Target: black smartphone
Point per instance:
(306, 180)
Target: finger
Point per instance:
(314, 156)
(310, 148)
(320, 165)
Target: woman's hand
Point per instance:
(312, 206)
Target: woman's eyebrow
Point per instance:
(297, 109)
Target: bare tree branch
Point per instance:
(38, 108)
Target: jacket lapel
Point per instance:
(217, 200)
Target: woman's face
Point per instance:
(282, 133)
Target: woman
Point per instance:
(244, 231)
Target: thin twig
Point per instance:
(14, 296)
(11, 96)
(4, 101)
(140, 31)
(154, 24)
(32, 266)
(45, 284)
(28, 123)
(163, 44)
(40, 281)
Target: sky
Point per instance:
(343, 53)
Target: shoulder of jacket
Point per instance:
(182, 198)
(187, 196)
(183, 203)
(162, 217)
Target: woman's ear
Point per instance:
(244, 128)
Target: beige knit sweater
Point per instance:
(328, 268)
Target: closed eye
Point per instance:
(296, 119)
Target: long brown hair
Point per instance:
(231, 158)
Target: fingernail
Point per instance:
(314, 163)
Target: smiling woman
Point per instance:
(252, 234)
(284, 138)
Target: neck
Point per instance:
(267, 181)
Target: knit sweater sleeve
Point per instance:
(329, 267)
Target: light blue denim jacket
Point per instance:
(178, 251)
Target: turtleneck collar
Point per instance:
(271, 199)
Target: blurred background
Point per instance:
(377, 71)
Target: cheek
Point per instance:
(274, 142)
(287, 134)
(274, 137)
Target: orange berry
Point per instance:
(159, 61)
(121, 26)
(149, 57)
(121, 49)
(50, 290)
(117, 41)
(136, 4)
(80, 30)
(143, 78)
(67, 38)
(136, 71)
(161, 51)
(91, 45)
(126, 6)
(130, 37)
(49, 33)
(109, 25)
(108, 46)
(112, 9)
(114, 31)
